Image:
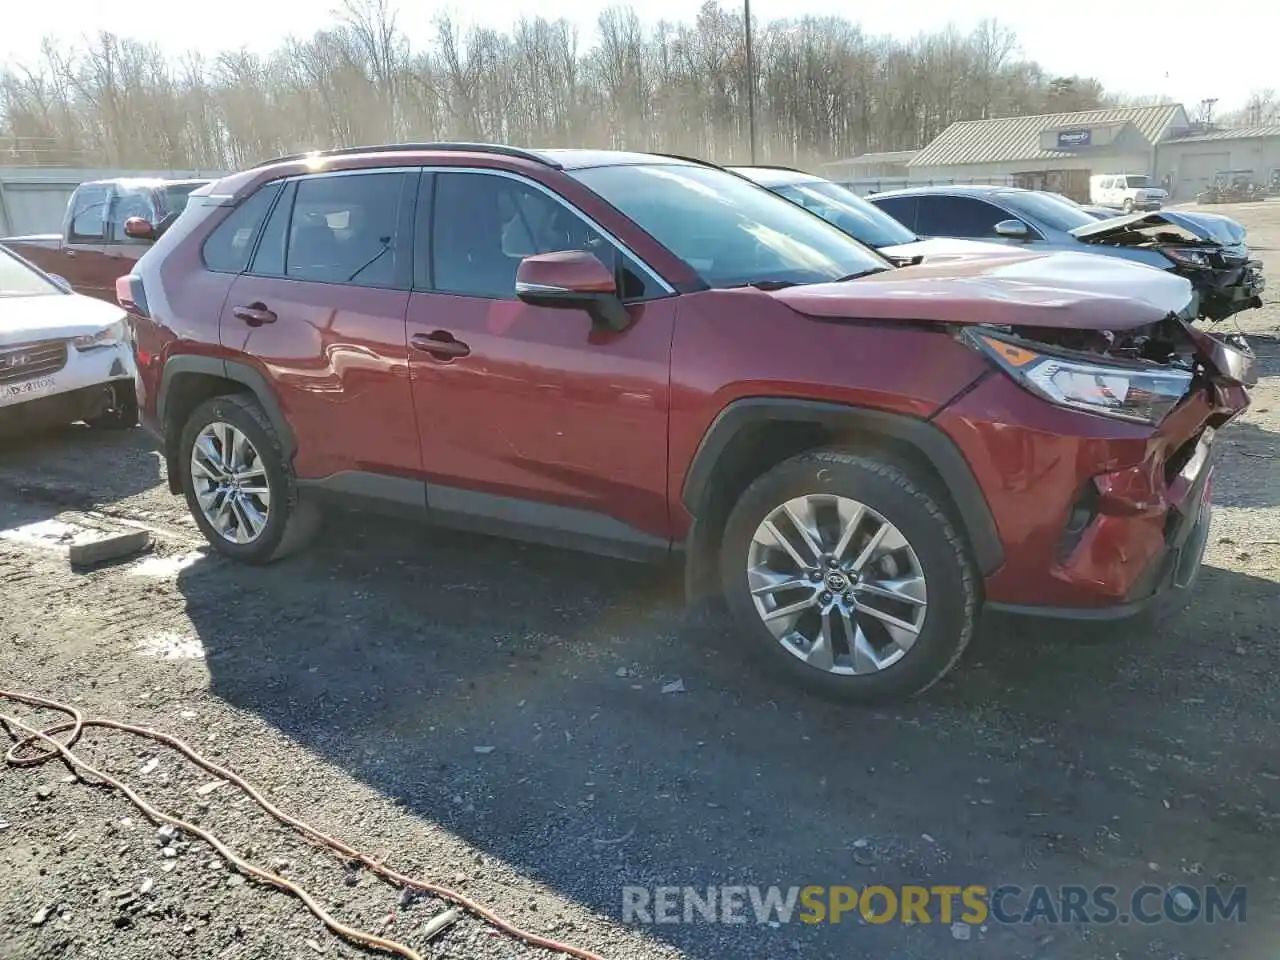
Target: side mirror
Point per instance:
(61, 282)
(576, 280)
(139, 228)
(1013, 229)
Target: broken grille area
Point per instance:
(32, 360)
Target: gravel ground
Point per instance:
(491, 716)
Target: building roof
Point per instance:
(1232, 133)
(1018, 138)
(865, 159)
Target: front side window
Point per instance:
(346, 229)
(19, 280)
(1137, 181)
(730, 231)
(89, 215)
(483, 225)
(228, 248)
(131, 202)
(855, 216)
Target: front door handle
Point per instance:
(255, 314)
(441, 344)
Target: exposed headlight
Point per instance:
(1137, 393)
(1190, 258)
(106, 337)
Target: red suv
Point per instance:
(646, 356)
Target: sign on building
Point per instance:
(1072, 139)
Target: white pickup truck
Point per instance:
(64, 357)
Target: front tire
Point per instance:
(846, 574)
(238, 483)
(1127, 206)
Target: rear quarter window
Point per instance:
(902, 209)
(229, 247)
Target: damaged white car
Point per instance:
(64, 357)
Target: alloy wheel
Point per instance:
(231, 483)
(837, 584)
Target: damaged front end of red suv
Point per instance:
(1092, 432)
(1131, 483)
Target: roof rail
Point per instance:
(461, 147)
(772, 166)
(698, 160)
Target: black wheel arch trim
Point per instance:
(228, 370)
(924, 437)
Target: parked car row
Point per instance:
(852, 446)
(1208, 249)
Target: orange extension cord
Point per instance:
(24, 753)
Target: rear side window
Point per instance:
(902, 209)
(352, 229)
(89, 215)
(942, 216)
(228, 248)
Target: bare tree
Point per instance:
(823, 89)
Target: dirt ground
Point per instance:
(363, 683)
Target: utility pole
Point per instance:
(751, 81)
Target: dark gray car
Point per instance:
(1211, 254)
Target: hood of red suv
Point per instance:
(1059, 290)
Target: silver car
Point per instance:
(1210, 254)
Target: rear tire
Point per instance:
(258, 518)
(918, 572)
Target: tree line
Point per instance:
(824, 89)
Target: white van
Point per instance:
(1125, 191)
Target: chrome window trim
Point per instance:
(652, 274)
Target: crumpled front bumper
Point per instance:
(1227, 291)
(1098, 517)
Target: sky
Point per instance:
(1136, 48)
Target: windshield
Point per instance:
(1048, 209)
(848, 211)
(1137, 181)
(728, 230)
(19, 280)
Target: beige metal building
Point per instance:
(1192, 161)
(1057, 152)
(891, 163)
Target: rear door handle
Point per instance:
(255, 314)
(441, 344)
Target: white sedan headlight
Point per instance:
(106, 337)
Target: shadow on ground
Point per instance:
(395, 653)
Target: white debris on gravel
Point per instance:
(168, 645)
(483, 750)
(150, 765)
(209, 787)
(961, 931)
(675, 686)
(170, 566)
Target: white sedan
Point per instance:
(64, 357)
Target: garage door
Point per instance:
(1196, 171)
